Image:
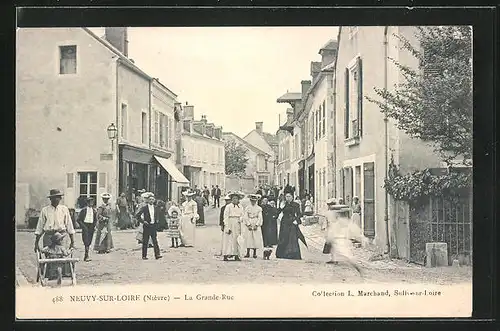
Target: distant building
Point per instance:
(203, 151)
(71, 86)
(258, 170)
(268, 143)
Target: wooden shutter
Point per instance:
(102, 180)
(70, 180)
(346, 105)
(360, 96)
(368, 211)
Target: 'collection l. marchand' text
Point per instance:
(147, 297)
(374, 293)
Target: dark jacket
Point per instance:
(221, 216)
(144, 210)
(83, 214)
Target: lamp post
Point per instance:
(112, 133)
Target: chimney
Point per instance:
(118, 37)
(188, 112)
(258, 127)
(315, 69)
(328, 53)
(306, 84)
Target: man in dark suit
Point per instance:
(149, 215)
(217, 194)
(87, 219)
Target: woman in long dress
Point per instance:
(104, 240)
(233, 215)
(188, 220)
(289, 233)
(251, 229)
(122, 205)
(355, 228)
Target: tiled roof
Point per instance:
(290, 96)
(244, 142)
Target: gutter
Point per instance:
(387, 248)
(118, 126)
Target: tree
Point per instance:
(434, 102)
(236, 158)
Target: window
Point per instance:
(170, 134)
(88, 185)
(124, 121)
(67, 60)
(316, 124)
(353, 100)
(144, 128)
(162, 130)
(156, 127)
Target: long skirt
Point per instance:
(187, 230)
(288, 242)
(124, 221)
(87, 234)
(103, 239)
(355, 232)
(230, 244)
(138, 236)
(253, 238)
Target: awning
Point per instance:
(170, 167)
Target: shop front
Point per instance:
(302, 180)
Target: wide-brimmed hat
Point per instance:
(331, 201)
(189, 193)
(227, 196)
(173, 209)
(57, 237)
(254, 197)
(55, 193)
(141, 191)
(106, 196)
(240, 195)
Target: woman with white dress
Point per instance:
(233, 215)
(251, 227)
(188, 220)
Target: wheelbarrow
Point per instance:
(43, 263)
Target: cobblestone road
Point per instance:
(201, 265)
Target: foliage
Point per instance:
(434, 102)
(418, 185)
(235, 158)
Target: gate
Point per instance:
(440, 219)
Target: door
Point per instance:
(403, 230)
(368, 211)
(88, 185)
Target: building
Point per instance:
(364, 140)
(318, 113)
(73, 88)
(203, 151)
(258, 171)
(291, 139)
(283, 169)
(268, 143)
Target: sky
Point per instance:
(233, 75)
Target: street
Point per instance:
(200, 264)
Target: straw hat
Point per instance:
(254, 197)
(228, 196)
(174, 209)
(55, 193)
(189, 193)
(106, 196)
(240, 195)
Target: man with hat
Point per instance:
(87, 219)
(54, 218)
(149, 216)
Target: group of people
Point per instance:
(255, 227)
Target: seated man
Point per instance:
(56, 251)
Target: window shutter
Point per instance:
(346, 106)
(70, 180)
(360, 97)
(102, 180)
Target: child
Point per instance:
(173, 225)
(55, 251)
(251, 229)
